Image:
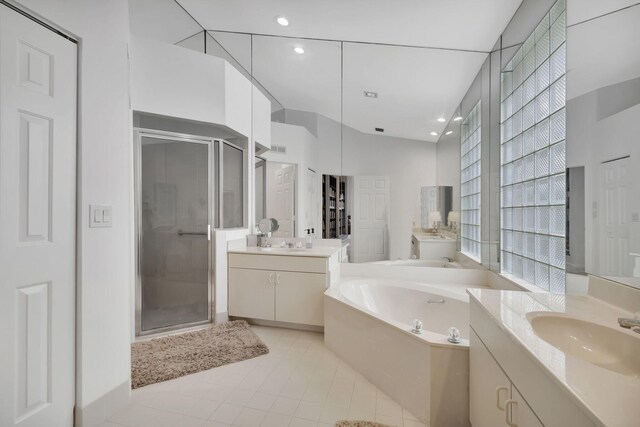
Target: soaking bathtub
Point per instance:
(418, 263)
(368, 324)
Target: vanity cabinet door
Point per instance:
(489, 387)
(300, 297)
(252, 293)
(520, 414)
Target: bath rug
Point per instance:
(166, 358)
(360, 424)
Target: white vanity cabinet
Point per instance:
(494, 400)
(278, 288)
(506, 386)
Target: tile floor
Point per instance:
(299, 383)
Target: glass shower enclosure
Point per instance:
(173, 217)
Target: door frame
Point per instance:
(138, 134)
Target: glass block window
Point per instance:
(470, 184)
(532, 171)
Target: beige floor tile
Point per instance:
(250, 417)
(226, 413)
(273, 419)
(331, 414)
(301, 422)
(285, 405)
(309, 410)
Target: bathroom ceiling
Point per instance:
(451, 24)
(415, 85)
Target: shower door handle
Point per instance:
(194, 233)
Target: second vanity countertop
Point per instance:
(429, 237)
(608, 397)
(316, 251)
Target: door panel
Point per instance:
(251, 293)
(615, 222)
(371, 219)
(37, 223)
(175, 216)
(300, 297)
(285, 201)
(520, 414)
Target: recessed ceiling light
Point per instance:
(283, 21)
(441, 119)
(457, 118)
(298, 50)
(370, 94)
(434, 133)
(449, 132)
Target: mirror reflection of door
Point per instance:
(371, 219)
(281, 202)
(615, 226)
(175, 213)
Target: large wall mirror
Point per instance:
(603, 142)
(361, 131)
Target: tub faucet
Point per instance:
(448, 259)
(628, 323)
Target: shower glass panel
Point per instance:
(232, 186)
(174, 229)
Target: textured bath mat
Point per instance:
(359, 424)
(166, 358)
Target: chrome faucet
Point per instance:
(448, 259)
(263, 240)
(628, 323)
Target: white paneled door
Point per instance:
(285, 201)
(371, 218)
(615, 226)
(37, 223)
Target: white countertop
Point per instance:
(428, 237)
(611, 398)
(318, 252)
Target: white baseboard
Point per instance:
(98, 411)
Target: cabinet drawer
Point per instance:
(278, 262)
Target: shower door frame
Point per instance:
(138, 134)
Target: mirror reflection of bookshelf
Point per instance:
(334, 207)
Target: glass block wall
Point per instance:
(532, 170)
(470, 184)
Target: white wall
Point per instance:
(409, 164)
(104, 266)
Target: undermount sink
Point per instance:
(597, 344)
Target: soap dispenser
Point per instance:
(309, 243)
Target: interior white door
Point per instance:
(285, 201)
(370, 223)
(312, 200)
(37, 223)
(615, 227)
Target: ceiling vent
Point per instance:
(379, 130)
(278, 148)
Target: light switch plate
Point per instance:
(99, 216)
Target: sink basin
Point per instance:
(597, 344)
